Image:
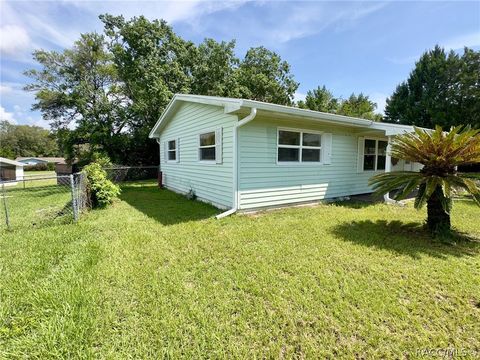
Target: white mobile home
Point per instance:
(245, 154)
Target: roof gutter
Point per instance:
(245, 120)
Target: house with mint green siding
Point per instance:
(243, 154)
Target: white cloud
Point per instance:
(14, 40)
(6, 115)
(455, 43)
(309, 18)
(38, 122)
(46, 26)
(5, 89)
(48, 31)
(459, 42)
(22, 116)
(171, 11)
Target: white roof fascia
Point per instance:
(10, 162)
(229, 105)
(317, 115)
(232, 105)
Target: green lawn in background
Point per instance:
(39, 201)
(156, 276)
(38, 173)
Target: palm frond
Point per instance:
(390, 181)
(461, 145)
(467, 184)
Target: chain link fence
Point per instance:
(120, 174)
(41, 200)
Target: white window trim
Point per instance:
(176, 151)
(376, 139)
(214, 161)
(300, 147)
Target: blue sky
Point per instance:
(350, 47)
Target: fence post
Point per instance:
(74, 200)
(7, 220)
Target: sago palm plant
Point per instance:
(440, 153)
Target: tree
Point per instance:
(106, 93)
(440, 153)
(213, 71)
(79, 88)
(154, 63)
(443, 89)
(320, 99)
(26, 140)
(263, 76)
(359, 106)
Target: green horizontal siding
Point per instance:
(211, 182)
(263, 182)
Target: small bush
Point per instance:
(102, 191)
(36, 167)
(88, 157)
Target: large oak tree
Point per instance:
(109, 90)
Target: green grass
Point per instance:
(36, 203)
(39, 173)
(155, 276)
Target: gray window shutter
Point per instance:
(177, 150)
(327, 148)
(361, 147)
(165, 151)
(218, 146)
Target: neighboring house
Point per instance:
(245, 154)
(40, 160)
(10, 170)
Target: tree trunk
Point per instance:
(438, 220)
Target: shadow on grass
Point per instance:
(163, 205)
(405, 238)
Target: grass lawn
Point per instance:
(155, 276)
(39, 201)
(39, 173)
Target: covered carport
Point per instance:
(10, 170)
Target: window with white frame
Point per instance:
(206, 150)
(298, 146)
(172, 150)
(374, 154)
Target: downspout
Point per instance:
(159, 156)
(245, 120)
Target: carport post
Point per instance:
(7, 220)
(388, 168)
